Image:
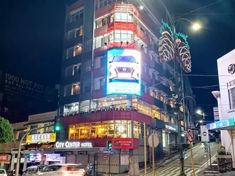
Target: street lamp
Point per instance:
(196, 26)
(174, 46)
(200, 121)
(201, 113)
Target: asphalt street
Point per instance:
(200, 158)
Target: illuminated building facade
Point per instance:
(112, 81)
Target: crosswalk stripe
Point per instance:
(171, 171)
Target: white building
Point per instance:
(226, 102)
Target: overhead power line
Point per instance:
(200, 8)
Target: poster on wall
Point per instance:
(123, 71)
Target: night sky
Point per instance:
(31, 39)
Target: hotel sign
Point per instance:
(41, 138)
(72, 145)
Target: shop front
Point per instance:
(104, 130)
(38, 149)
(169, 138)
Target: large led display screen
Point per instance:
(123, 71)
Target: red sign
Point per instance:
(190, 136)
(125, 143)
(4, 158)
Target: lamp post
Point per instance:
(180, 120)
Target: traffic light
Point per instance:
(109, 145)
(57, 126)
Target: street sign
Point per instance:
(204, 134)
(153, 140)
(190, 136)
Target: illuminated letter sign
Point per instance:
(123, 71)
(72, 145)
(41, 138)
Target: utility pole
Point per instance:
(145, 152)
(181, 148)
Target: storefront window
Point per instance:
(136, 129)
(84, 132)
(108, 129)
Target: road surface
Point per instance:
(201, 160)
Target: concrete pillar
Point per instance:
(12, 166)
(25, 161)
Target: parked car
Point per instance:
(34, 170)
(89, 169)
(64, 170)
(3, 172)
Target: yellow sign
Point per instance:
(41, 138)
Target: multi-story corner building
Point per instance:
(112, 82)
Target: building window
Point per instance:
(85, 105)
(123, 16)
(75, 33)
(74, 51)
(98, 42)
(76, 16)
(231, 92)
(77, 50)
(97, 62)
(99, 83)
(76, 69)
(122, 36)
(75, 89)
(72, 89)
(112, 129)
(71, 108)
(72, 70)
(103, 3)
(68, 71)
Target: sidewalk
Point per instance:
(232, 173)
(159, 163)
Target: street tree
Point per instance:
(6, 131)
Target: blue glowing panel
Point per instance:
(123, 71)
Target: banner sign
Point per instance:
(4, 158)
(125, 143)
